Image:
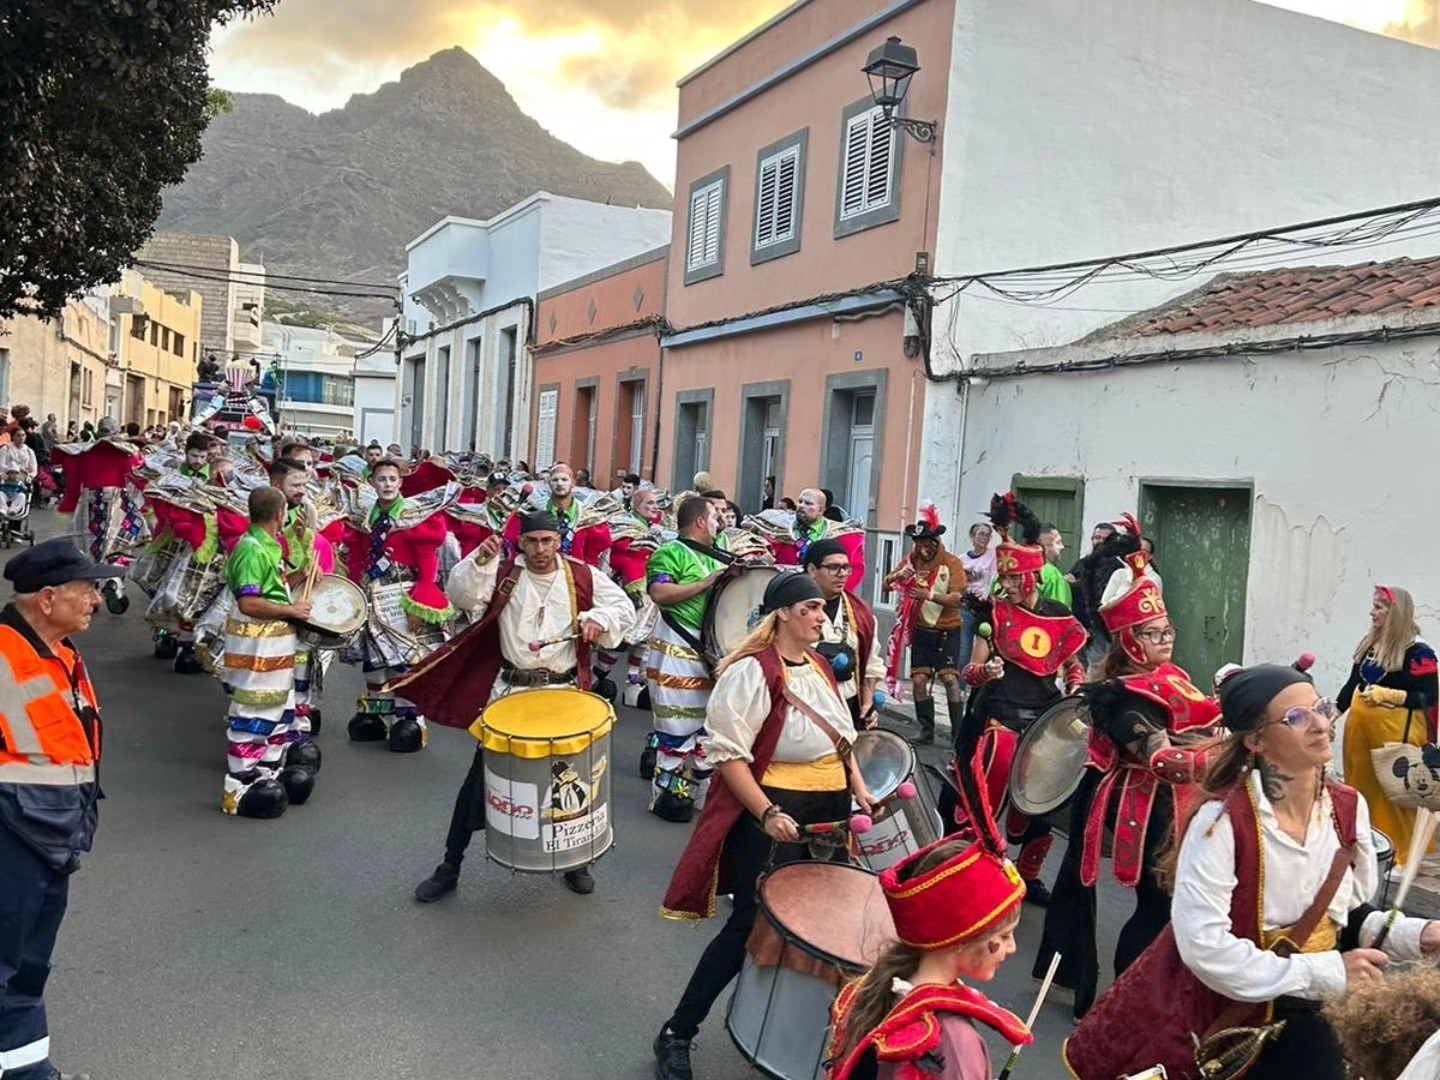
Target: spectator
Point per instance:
(582, 478)
(1086, 607)
(702, 481)
(1053, 585)
(72, 433)
(34, 441)
(768, 502)
(787, 503)
(833, 512)
(132, 430)
(17, 414)
(979, 564)
(733, 515)
(50, 431)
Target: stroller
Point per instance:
(15, 495)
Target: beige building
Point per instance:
(59, 365)
(156, 340)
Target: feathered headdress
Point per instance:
(1007, 511)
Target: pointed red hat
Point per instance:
(1140, 603)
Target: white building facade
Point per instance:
(470, 287)
(374, 412)
(317, 372)
(1078, 129)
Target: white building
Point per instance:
(249, 313)
(1077, 129)
(317, 369)
(470, 289)
(375, 395)
(1280, 480)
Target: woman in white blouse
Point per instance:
(778, 734)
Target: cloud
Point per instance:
(1421, 23)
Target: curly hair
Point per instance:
(1381, 1024)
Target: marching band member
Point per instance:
(579, 540)
(956, 906)
(779, 735)
(301, 544)
(541, 596)
(633, 541)
(111, 515)
(811, 525)
(259, 670)
(1033, 641)
(847, 637)
(1146, 721)
(471, 518)
(932, 582)
(1271, 914)
(680, 576)
(394, 545)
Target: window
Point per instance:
(545, 429)
(692, 436)
(154, 333)
(851, 440)
(137, 326)
(440, 438)
(630, 436)
(470, 392)
(179, 344)
(705, 236)
(637, 427)
(583, 426)
(779, 197)
(87, 387)
(762, 441)
(869, 170)
(887, 557)
(165, 338)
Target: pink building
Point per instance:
(794, 196)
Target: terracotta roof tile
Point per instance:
(1296, 295)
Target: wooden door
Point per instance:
(1202, 538)
(1055, 500)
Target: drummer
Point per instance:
(847, 639)
(629, 554)
(514, 605)
(779, 735)
(681, 575)
(301, 544)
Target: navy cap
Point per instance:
(54, 563)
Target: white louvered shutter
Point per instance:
(703, 242)
(869, 164)
(775, 199)
(545, 436)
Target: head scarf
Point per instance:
(787, 589)
(820, 550)
(539, 521)
(1246, 693)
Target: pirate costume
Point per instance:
(1143, 760)
(1259, 923)
(847, 639)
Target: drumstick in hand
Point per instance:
(536, 646)
(1014, 1058)
(1425, 823)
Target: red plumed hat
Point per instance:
(1012, 557)
(928, 527)
(1140, 603)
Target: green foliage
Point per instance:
(217, 102)
(102, 104)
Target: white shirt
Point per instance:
(740, 703)
(1294, 872)
(979, 572)
(540, 610)
(19, 457)
(845, 634)
(1425, 1065)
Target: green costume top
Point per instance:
(253, 568)
(677, 563)
(1053, 585)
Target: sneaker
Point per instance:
(1037, 893)
(672, 1057)
(441, 883)
(580, 881)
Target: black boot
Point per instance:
(957, 719)
(605, 686)
(672, 1056)
(647, 757)
(406, 735)
(314, 722)
(580, 881)
(298, 781)
(166, 645)
(366, 727)
(441, 883)
(305, 754)
(671, 807)
(925, 717)
(263, 799)
(186, 662)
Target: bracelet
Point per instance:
(769, 812)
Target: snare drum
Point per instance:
(734, 609)
(337, 613)
(819, 925)
(547, 779)
(903, 826)
(1384, 863)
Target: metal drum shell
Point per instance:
(733, 611)
(1053, 749)
(903, 826)
(337, 592)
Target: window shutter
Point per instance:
(703, 240)
(765, 202)
(785, 195)
(877, 183)
(852, 199)
(712, 225)
(545, 437)
(696, 253)
(775, 199)
(869, 164)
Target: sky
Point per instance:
(599, 74)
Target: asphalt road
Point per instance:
(202, 946)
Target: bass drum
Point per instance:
(1050, 762)
(734, 609)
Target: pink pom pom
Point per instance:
(906, 790)
(861, 824)
(536, 646)
(1306, 661)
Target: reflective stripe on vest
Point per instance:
(42, 738)
(14, 699)
(20, 772)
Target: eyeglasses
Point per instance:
(1156, 637)
(843, 569)
(1323, 711)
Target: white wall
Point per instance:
(1339, 444)
(580, 237)
(1082, 128)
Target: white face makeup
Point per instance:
(386, 482)
(562, 482)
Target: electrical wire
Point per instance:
(262, 275)
(392, 297)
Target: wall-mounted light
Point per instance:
(890, 69)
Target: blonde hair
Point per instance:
(1382, 1023)
(1394, 636)
(759, 639)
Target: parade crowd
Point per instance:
(1266, 936)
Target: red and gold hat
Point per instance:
(1024, 557)
(1140, 603)
(1013, 558)
(961, 899)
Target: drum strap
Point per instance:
(842, 744)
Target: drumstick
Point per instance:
(858, 824)
(1425, 822)
(1034, 1012)
(536, 646)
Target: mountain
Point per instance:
(339, 195)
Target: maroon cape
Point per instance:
(451, 686)
(697, 878)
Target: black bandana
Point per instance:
(789, 588)
(1247, 693)
(820, 550)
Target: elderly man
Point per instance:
(540, 597)
(49, 753)
(847, 639)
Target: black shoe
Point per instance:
(166, 647)
(606, 688)
(365, 727)
(305, 754)
(647, 762)
(264, 799)
(580, 881)
(299, 782)
(116, 603)
(677, 808)
(407, 736)
(643, 701)
(926, 737)
(187, 663)
(1037, 893)
(314, 722)
(441, 883)
(672, 1057)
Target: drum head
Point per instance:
(734, 609)
(543, 722)
(885, 760)
(337, 606)
(831, 910)
(1050, 760)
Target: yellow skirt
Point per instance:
(1370, 727)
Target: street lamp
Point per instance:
(890, 69)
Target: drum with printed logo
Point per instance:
(902, 826)
(547, 779)
(820, 924)
(734, 609)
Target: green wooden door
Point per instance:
(1202, 538)
(1056, 500)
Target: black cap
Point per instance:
(54, 563)
(539, 521)
(1245, 693)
